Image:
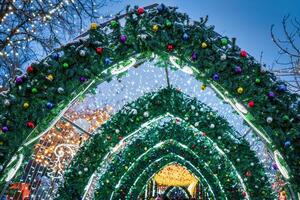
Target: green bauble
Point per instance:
(168, 23)
(285, 118)
(224, 41)
(114, 24)
(257, 81)
(34, 90)
(65, 65)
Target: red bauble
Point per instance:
(170, 47)
(99, 50)
(140, 10)
(120, 137)
(30, 69)
(30, 124)
(244, 194)
(251, 104)
(248, 173)
(243, 54)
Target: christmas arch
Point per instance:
(140, 131)
(37, 97)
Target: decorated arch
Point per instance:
(155, 128)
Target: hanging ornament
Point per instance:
(30, 69)
(224, 41)
(185, 37)
(161, 8)
(282, 88)
(99, 50)
(55, 56)
(6, 102)
(50, 77)
(240, 90)
(82, 53)
(223, 56)
(285, 118)
(82, 79)
(168, 23)
(248, 173)
(107, 61)
(287, 144)
(194, 56)
(5, 129)
(85, 169)
(243, 54)
(50, 105)
(123, 38)
(140, 10)
(257, 81)
(170, 47)
(34, 90)
(216, 77)
(204, 45)
(19, 80)
(212, 126)
(269, 120)
(65, 65)
(271, 95)
(237, 69)
(251, 104)
(93, 26)
(60, 90)
(155, 28)
(203, 87)
(25, 105)
(146, 114)
(114, 24)
(30, 124)
(80, 173)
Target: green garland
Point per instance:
(155, 104)
(67, 69)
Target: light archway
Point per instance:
(195, 48)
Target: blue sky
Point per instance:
(249, 20)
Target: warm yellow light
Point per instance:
(175, 175)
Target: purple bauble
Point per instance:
(123, 38)
(274, 166)
(194, 56)
(5, 129)
(82, 79)
(216, 77)
(282, 88)
(19, 80)
(238, 69)
(271, 95)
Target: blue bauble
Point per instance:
(282, 88)
(185, 37)
(287, 144)
(161, 7)
(107, 61)
(50, 105)
(216, 77)
(55, 56)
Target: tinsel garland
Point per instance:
(57, 77)
(132, 116)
